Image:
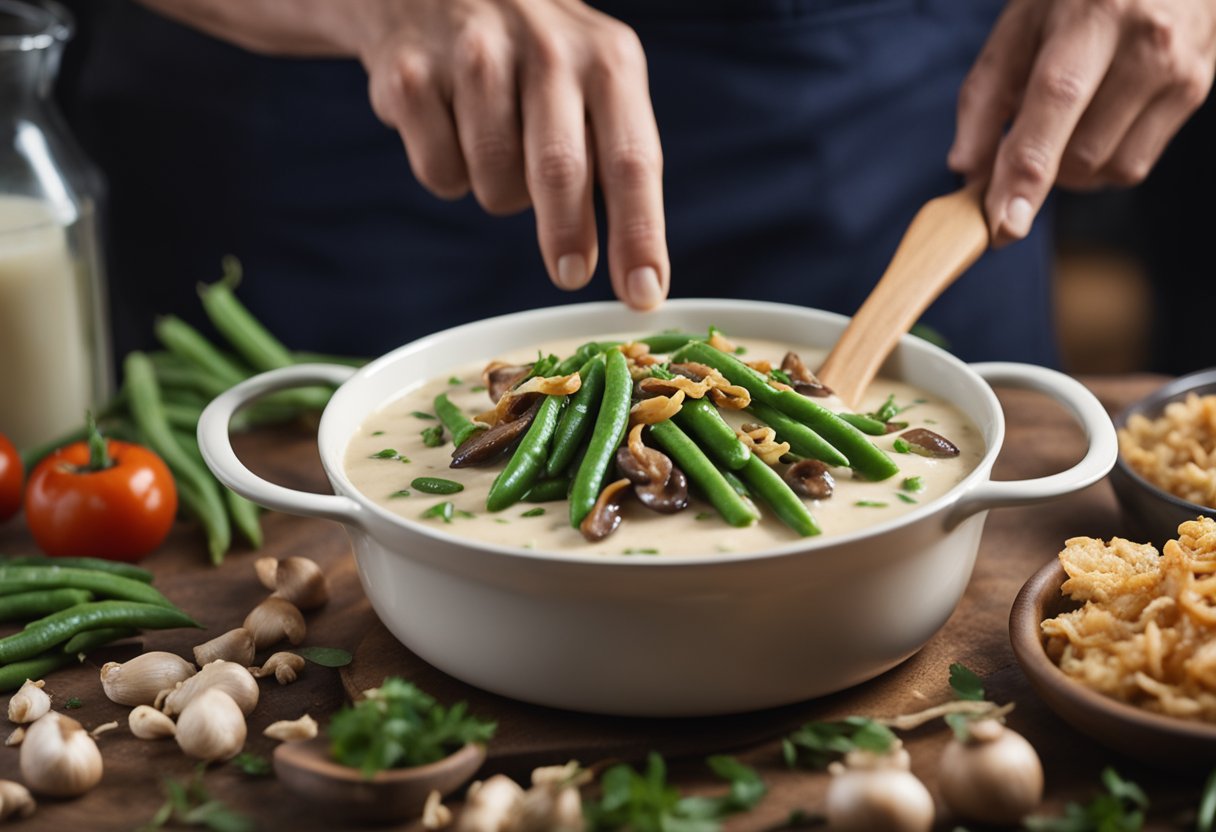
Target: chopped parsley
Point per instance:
(477, 388)
(781, 376)
(442, 511)
(377, 433)
(418, 414)
(913, 484)
(454, 380)
(643, 551)
(432, 437)
(816, 744)
(902, 496)
(387, 453)
(901, 446)
(73, 703)
(533, 512)
(704, 515)
(398, 494)
(870, 504)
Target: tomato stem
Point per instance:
(99, 455)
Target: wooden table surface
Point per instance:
(1041, 439)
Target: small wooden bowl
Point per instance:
(1133, 731)
(392, 795)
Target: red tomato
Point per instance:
(121, 512)
(11, 475)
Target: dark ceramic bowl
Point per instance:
(1152, 515)
(1141, 734)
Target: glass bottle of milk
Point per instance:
(54, 353)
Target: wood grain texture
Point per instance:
(945, 237)
(1040, 440)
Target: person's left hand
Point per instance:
(1091, 90)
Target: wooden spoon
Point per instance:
(945, 237)
(392, 795)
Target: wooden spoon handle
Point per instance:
(945, 237)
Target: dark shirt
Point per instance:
(800, 136)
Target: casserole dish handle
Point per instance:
(216, 445)
(1085, 408)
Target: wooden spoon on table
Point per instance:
(945, 237)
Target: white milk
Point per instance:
(45, 383)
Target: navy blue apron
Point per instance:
(800, 137)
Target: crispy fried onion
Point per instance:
(762, 366)
(515, 401)
(638, 352)
(655, 386)
(720, 342)
(762, 441)
(605, 515)
(498, 376)
(724, 394)
(655, 464)
(656, 409)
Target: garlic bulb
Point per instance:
(553, 804)
(211, 727)
(273, 620)
(15, 738)
(295, 579)
(434, 814)
(229, 677)
(284, 666)
(993, 777)
(15, 800)
(877, 791)
(489, 805)
(147, 723)
(233, 646)
(29, 703)
(138, 681)
(59, 758)
(288, 730)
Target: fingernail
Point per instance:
(572, 271)
(642, 286)
(1018, 216)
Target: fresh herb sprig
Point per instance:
(1120, 808)
(816, 744)
(398, 726)
(646, 802)
(189, 804)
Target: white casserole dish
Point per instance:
(651, 636)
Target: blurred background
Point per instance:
(1135, 282)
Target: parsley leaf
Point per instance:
(326, 656)
(816, 744)
(432, 436)
(965, 683)
(645, 802)
(398, 726)
(1120, 809)
(72, 703)
(189, 804)
(252, 764)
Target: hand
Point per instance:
(530, 102)
(1095, 90)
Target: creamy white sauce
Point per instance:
(698, 530)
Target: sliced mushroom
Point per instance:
(605, 515)
(658, 484)
(927, 443)
(487, 445)
(499, 377)
(654, 386)
(802, 379)
(811, 478)
(692, 370)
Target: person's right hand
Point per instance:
(530, 102)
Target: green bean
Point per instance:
(610, 425)
(452, 418)
(865, 424)
(186, 341)
(33, 603)
(581, 356)
(189, 378)
(576, 419)
(13, 676)
(548, 491)
(90, 640)
(696, 466)
(863, 456)
(181, 417)
(215, 523)
(323, 358)
(204, 491)
(184, 398)
(58, 627)
(105, 584)
(114, 567)
(772, 490)
(665, 342)
(437, 485)
(244, 514)
(700, 418)
(234, 321)
(737, 484)
(803, 441)
(528, 461)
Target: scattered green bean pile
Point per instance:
(83, 604)
(570, 447)
(165, 391)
